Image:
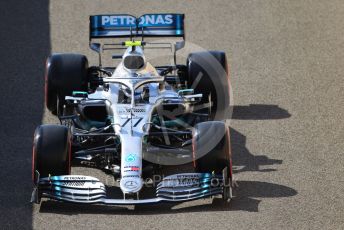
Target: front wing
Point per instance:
(89, 190)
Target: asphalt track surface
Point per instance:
(286, 61)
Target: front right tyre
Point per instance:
(64, 73)
(51, 155)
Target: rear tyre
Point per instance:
(51, 151)
(64, 74)
(208, 74)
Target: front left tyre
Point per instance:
(212, 152)
(208, 75)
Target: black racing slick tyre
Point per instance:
(212, 153)
(64, 74)
(208, 75)
(51, 153)
(211, 148)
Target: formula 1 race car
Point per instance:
(135, 121)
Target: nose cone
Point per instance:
(131, 184)
(131, 162)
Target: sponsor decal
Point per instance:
(74, 178)
(156, 19)
(118, 20)
(131, 168)
(191, 180)
(135, 168)
(130, 158)
(131, 184)
(145, 20)
(132, 176)
(73, 183)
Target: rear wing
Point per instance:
(147, 25)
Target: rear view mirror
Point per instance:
(179, 45)
(95, 47)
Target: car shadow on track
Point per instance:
(259, 112)
(243, 159)
(247, 195)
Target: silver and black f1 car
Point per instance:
(135, 121)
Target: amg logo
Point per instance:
(74, 178)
